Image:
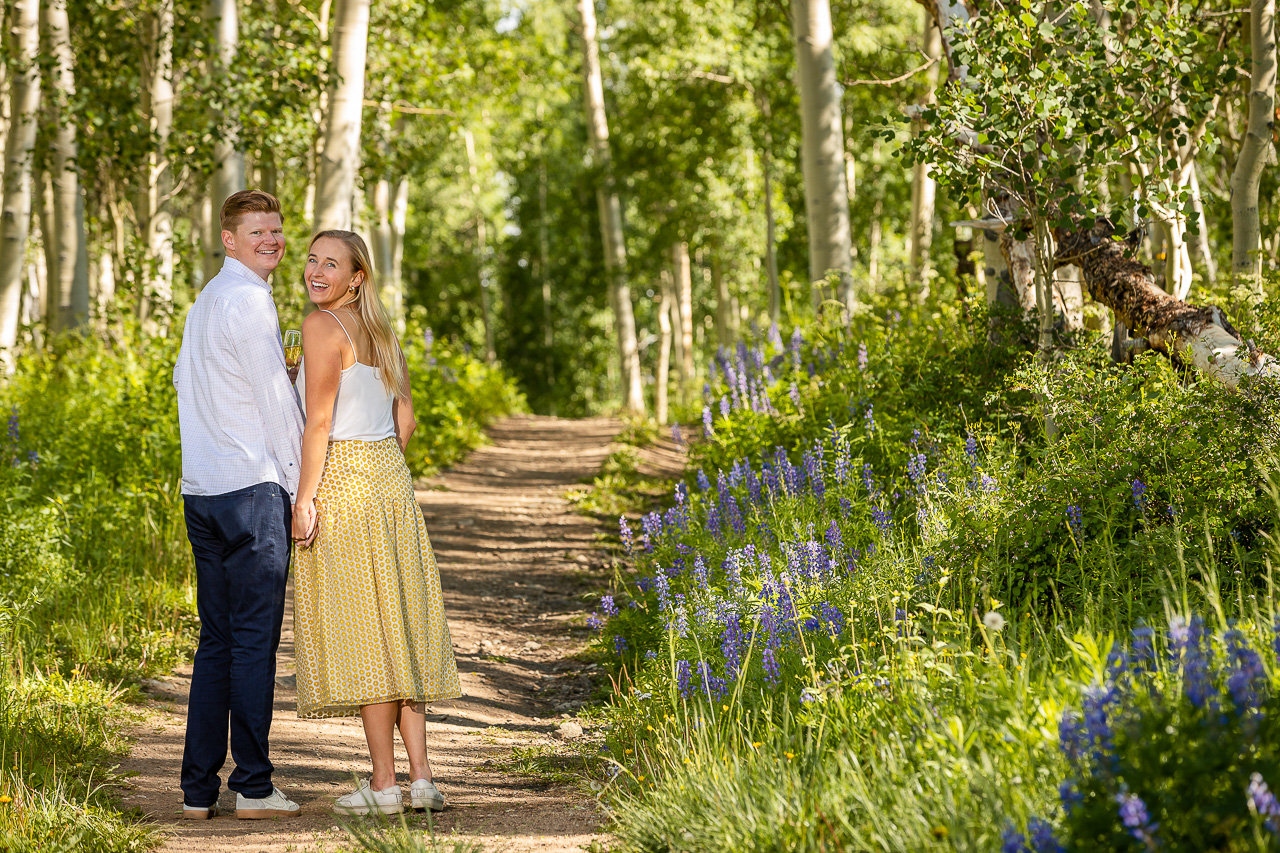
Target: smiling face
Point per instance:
(330, 274)
(257, 242)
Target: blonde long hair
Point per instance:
(370, 311)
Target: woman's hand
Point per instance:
(306, 522)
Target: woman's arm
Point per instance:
(402, 408)
(322, 344)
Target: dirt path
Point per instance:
(515, 562)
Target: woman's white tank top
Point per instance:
(362, 409)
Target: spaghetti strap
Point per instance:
(345, 332)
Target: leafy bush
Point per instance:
(802, 658)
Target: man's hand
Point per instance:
(306, 522)
(293, 374)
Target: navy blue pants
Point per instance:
(241, 545)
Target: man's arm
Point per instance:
(254, 330)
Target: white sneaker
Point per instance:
(276, 805)
(365, 800)
(425, 795)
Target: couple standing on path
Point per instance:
(371, 633)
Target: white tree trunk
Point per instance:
(724, 303)
(155, 220)
(15, 217)
(228, 160)
(682, 275)
(615, 251)
(340, 159)
(1202, 248)
(67, 241)
(924, 189)
(1246, 242)
(666, 307)
(826, 193)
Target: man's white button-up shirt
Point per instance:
(238, 413)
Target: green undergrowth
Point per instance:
(403, 834)
(908, 565)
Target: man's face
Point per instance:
(257, 242)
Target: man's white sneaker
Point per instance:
(365, 800)
(425, 795)
(276, 805)
(199, 812)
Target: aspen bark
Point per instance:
(615, 252)
(228, 160)
(15, 216)
(1246, 242)
(724, 303)
(923, 187)
(340, 159)
(666, 307)
(682, 274)
(826, 193)
(770, 221)
(66, 240)
(1201, 247)
(1197, 335)
(155, 221)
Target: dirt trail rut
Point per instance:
(515, 561)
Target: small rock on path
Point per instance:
(515, 562)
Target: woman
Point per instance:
(370, 628)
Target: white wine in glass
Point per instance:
(292, 348)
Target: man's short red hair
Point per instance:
(238, 205)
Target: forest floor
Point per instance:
(518, 567)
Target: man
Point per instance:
(241, 434)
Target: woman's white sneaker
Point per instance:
(365, 800)
(425, 795)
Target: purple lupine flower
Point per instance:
(619, 644)
(663, 585)
(732, 644)
(651, 529)
(733, 515)
(883, 521)
(707, 430)
(989, 483)
(680, 620)
(681, 494)
(13, 425)
(594, 622)
(1069, 795)
(684, 675)
(1143, 649)
(869, 481)
(607, 606)
(700, 573)
(701, 479)
(675, 434)
(1097, 705)
(1139, 491)
(1073, 739)
(1043, 839)
(870, 418)
(628, 540)
(832, 618)
(916, 470)
(1188, 646)
(862, 356)
(1075, 520)
(1133, 814)
(1247, 673)
(1264, 802)
(772, 669)
(971, 449)
(724, 407)
(794, 394)
(1011, 840)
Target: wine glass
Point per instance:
(292, 348)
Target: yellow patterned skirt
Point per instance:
(369, 622)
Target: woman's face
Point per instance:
(330, 274)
